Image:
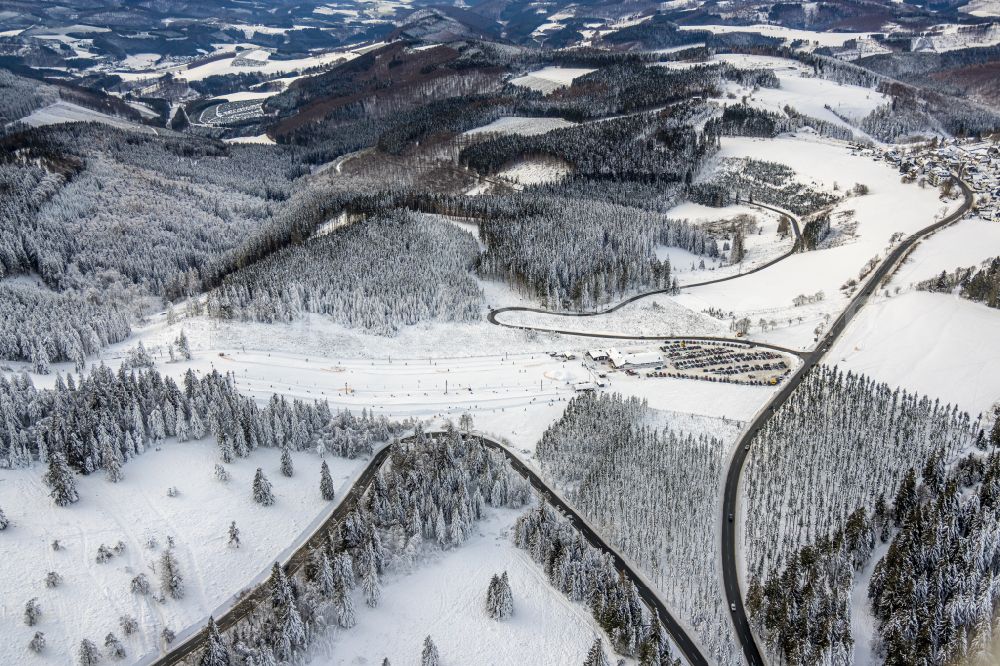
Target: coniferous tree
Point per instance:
(371, 586)
(429, 655)
(60, 479)
(216, 653)
(139, 584)
(183, 347)
(171, 582)
(88, 654)
(234, 535)
(499, 599)
(4, 522)
(286, 463)
(37, 643)
(262, 489)
(114, 647)
(32, 611)
(111, 457)
(596, 655)
(326, 489)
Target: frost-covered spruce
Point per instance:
(586, 575)
(596, 655)
(262, 489)
(114, 647)
(5, 523)
(139, 584)
(52, 579)
(32, 611)
(286, 463)
(290, 630)
(499, 599)
(429, 655)
(171, 581)
(605, 444)
(234, 535)
(371, 586)
(326, 489)
(129, 625)
(88, 654)
(37, 643)
(216, 653)
(60, 479)
(858, 444)
(152, 406)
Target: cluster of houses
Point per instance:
(975, 161)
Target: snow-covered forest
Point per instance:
(980, 284)
(104, 216)
(378, 274)
(42, 326)
(102, 419)
(759, 180)
(428, 496)
(664, 515)
(586, 575)
(833, 454)
(584, 252)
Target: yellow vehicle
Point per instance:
(773, 381)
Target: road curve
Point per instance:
(261, 593)
(730, 501)
(492, 316)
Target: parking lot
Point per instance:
(723, 362)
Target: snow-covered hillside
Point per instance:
(138, 512)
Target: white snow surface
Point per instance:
(444, 599)
(937, 344)
(890, 207)
(788, 34)
(92, 596)
(521, 125)
(549, 79)
(67, 112)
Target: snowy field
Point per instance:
(938, 344)
(890, 207)
(546, 626)
(967, 243)
(760, 248)
(656, 315)
(801, 90)
(260, 138)
(521, 125)
(67, 112)
(535, 171)
(983, 8)
(787, 34)
(549, 79)
(93, 596)
(240, 63)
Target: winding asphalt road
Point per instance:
(193, 645)
(492, 316)
(730, 502)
